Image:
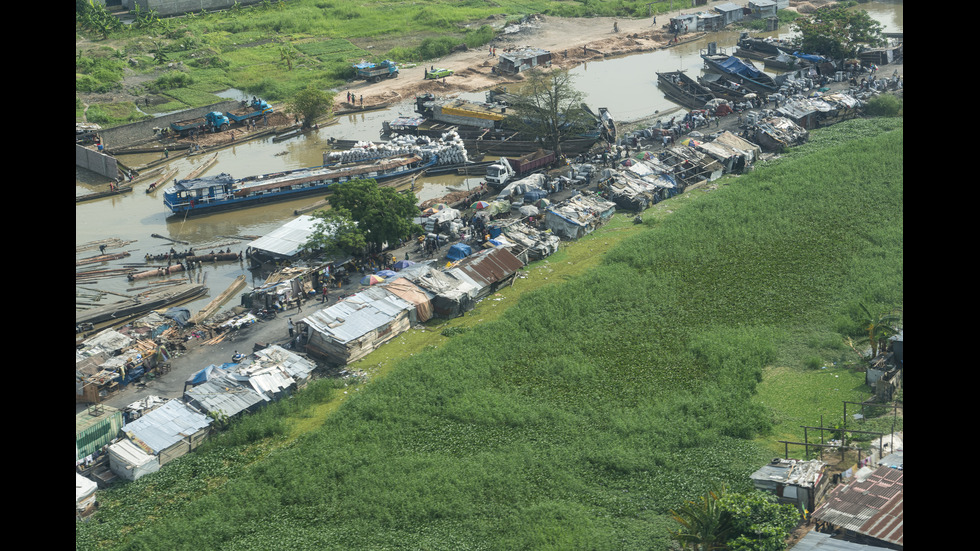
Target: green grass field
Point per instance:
(275, 49)
(635, 369)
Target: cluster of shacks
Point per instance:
(356, 325)
(150, 433)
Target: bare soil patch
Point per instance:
(571, 41)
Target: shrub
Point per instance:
(171, 80)
(885, 105)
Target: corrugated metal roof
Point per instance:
(224, 394)
(288, 239)
(357, 315)
(817, 541)
(489, 266)
(872, 506)
(166, 425)
(295, 365)
(791, 471)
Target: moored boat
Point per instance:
(682, 89)
(223, 192)
(724, 88)
(742, 71)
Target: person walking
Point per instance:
(291, 328)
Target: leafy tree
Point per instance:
(758, 521)
(837, 32)
(549, 106)
(336, 232)
(704, 526)
(310, 104)
(382, 213)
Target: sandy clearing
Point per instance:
(571, 41)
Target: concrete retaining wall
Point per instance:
(99, 163)
(142, 132)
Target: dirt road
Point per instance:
(571, 42)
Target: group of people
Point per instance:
(352, 98)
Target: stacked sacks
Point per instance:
(449, 150)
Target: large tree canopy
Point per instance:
(837, 32)
(383, 214)
(310, 104)
(549, 106)
(336, 233)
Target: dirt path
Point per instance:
(571, 42)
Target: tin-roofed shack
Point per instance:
(514, 62)
(868, 509)
(488, 270)
(350, 329)
(800, 483)
(163, 434)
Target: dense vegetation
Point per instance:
(581, 416)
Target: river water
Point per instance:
(626, 85)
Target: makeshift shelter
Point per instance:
(797, 482)
(94, 428)
(632, 192)
(350, 329)
(298, 367)
(450, 297)
(488, 270)
(459, 251)
(131, 462)
(225, 394)
(578, 216)
(414, 295)
(169, 431)
(778, 133)
(869, 508)
(84, 496)
(210, 372)
(530, 243)
(730, 13)
(522, 60)
(284, 242)
(729, 152)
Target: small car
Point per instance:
(438, 73)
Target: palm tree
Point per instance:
(879, 327)
(704, 525)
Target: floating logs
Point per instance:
(213, 257)
(161, 271)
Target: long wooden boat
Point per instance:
(163, 179)
(723, 87)
(682, 89)
(741, 71)
(573, 146)
(222, 192)
(154, 300)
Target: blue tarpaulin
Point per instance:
(207, 373)
(459, 251)
(810, 57)
(736, 66)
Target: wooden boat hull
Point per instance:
(682, 89)
(741, 71)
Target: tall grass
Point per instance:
(578, 418)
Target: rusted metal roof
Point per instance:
(488, 267)
(872, 506)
